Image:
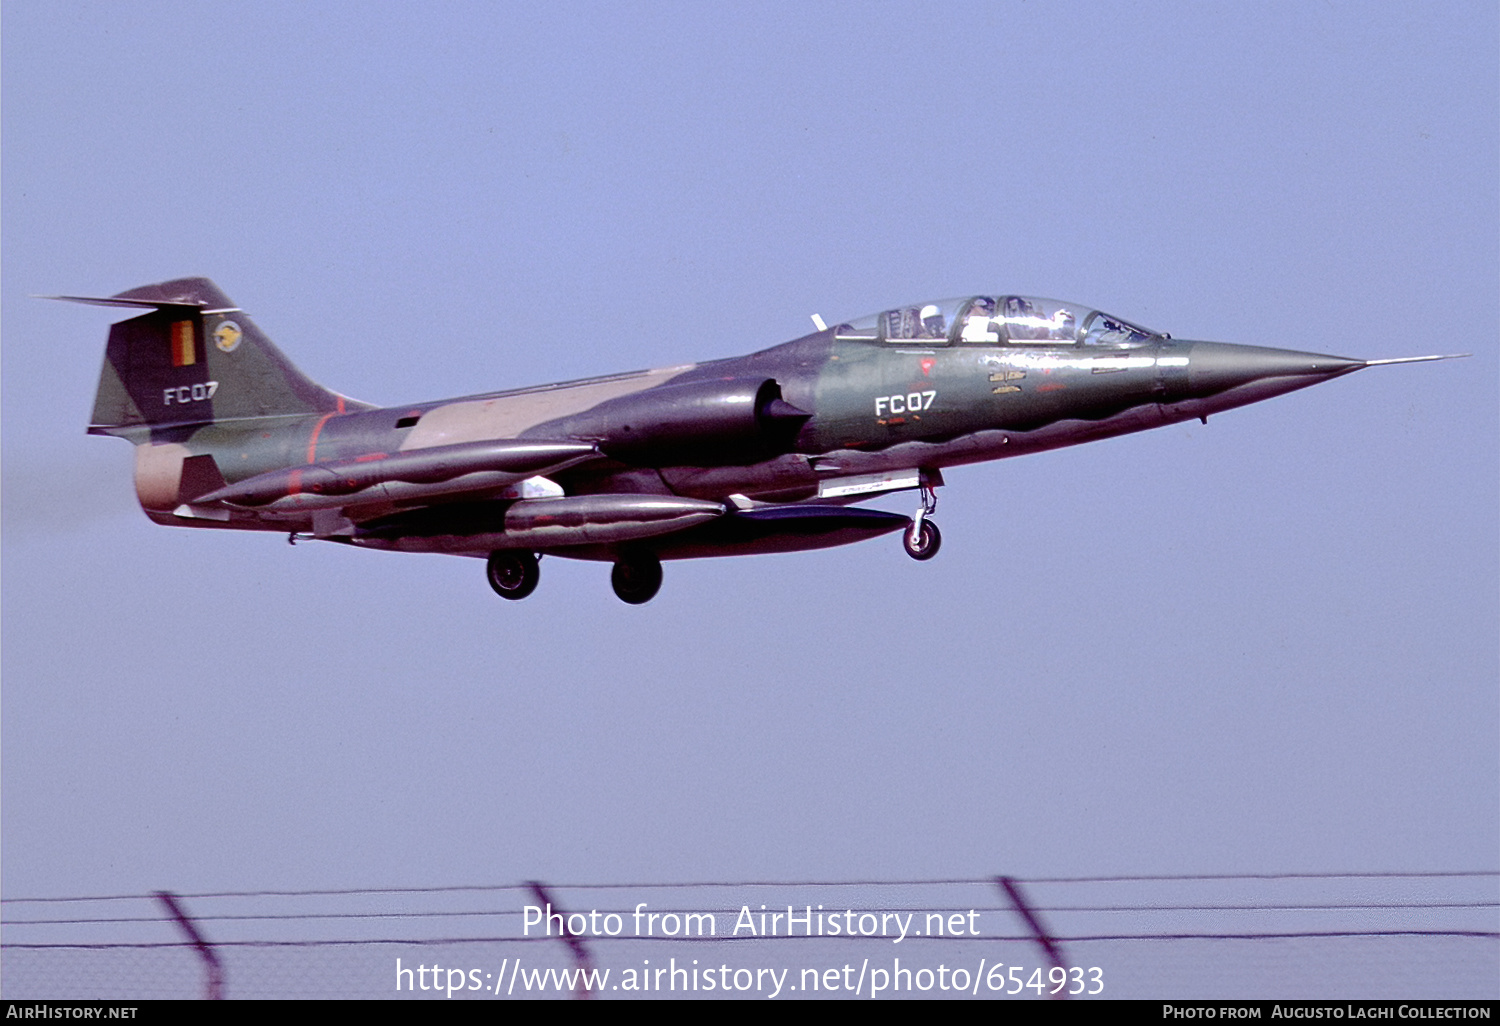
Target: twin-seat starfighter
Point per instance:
(751, 454)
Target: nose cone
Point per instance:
(1215, 367)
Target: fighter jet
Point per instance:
(751, 454)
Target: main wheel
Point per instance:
(513, 574)
(929, 539)
(636, 579)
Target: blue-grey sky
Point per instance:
(1268, 643)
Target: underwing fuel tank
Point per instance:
(536, 524)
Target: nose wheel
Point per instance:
(923, 539)
(636, 579)
(513, 574)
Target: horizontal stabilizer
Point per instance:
(140, 304)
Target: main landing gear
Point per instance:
(923, 539)
(514, 574)
(636, 578)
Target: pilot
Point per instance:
(1021, 320)
(979, 321)
(932, 322)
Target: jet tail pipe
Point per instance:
(425, 471)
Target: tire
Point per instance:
(513, 574)
(636, 580)
(928, 541)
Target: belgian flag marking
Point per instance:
(184, 352)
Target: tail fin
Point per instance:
(195, 358)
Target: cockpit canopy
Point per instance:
(998, 320)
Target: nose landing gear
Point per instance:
(923, 539)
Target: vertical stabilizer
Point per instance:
(195, 358)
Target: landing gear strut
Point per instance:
(513, 573)
(636, 578)
(923, 539)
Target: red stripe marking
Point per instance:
(341, 404)
(371, 456)
(294, 484)
(312, 443)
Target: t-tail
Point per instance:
(193, 359)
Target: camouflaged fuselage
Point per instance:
(758, 453)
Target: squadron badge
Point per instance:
(227, 336)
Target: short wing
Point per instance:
(411, 477)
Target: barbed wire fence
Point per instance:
(1273, 935)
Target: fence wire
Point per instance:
(1268, 935)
